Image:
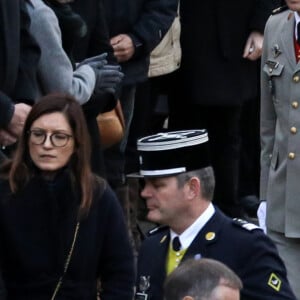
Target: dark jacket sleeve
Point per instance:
(265, 276)
(116, 267)
(6, 110)
(2, 289)
(155, 20)
(26, 85)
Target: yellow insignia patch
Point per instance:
(163, 239)
(274, 282)
(210, 236)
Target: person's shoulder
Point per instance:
(158, 230)
(241, 229)
(38, 11)
(279, 10)
(157, 234)
(102, 192)
(33, 5)
(280, 13)
(245, 225)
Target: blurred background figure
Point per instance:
(204, 279)
(135, 29)
(151, 105)
(93, 82)
(218, 74)
(19, 56)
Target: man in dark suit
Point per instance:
(221, 43)
(179, 187)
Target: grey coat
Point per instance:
(55, 71)
(280, 122)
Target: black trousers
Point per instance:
(223, 126)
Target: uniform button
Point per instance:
(295, 104)
(296, 78)
(292, 155)
(293, 130)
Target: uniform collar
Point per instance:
(187, 237)
(297, 20)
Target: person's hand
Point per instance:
(261, 215)
(253, 47)
(123, 47)
(17, 122)
(108, 78)
(6, 138)
(98, 61)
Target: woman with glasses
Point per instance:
(61, 227)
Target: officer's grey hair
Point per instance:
(207, 181)
(198, 279)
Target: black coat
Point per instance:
(36, 230)
(213, 36)
(19, 56)
(248, 252)
(96, 39)
(146, 21)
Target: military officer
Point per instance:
(280, 139)
(179, 186)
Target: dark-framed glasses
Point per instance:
(58, 139)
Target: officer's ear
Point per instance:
(188, 298)
(194, 187)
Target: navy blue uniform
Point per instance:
(240, 245)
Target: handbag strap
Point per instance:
(67, 262)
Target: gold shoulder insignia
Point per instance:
(274, 282)
(279, 9)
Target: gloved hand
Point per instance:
(108, 78)
(261, 215)
(95, 62)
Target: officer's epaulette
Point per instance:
(279, 9)
(157, 229)
(245, 224)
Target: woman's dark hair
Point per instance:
(22, 169)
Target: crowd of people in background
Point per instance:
(70, 225)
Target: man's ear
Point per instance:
(188, 298)
(194, 187)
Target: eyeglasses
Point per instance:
(58, 139)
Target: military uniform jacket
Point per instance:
(250, 253)
(280, 115)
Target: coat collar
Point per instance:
(287, 39)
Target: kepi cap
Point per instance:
(171, 153)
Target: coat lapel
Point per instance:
(287, 40)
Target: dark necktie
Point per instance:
(298, 33)
(176, 244)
